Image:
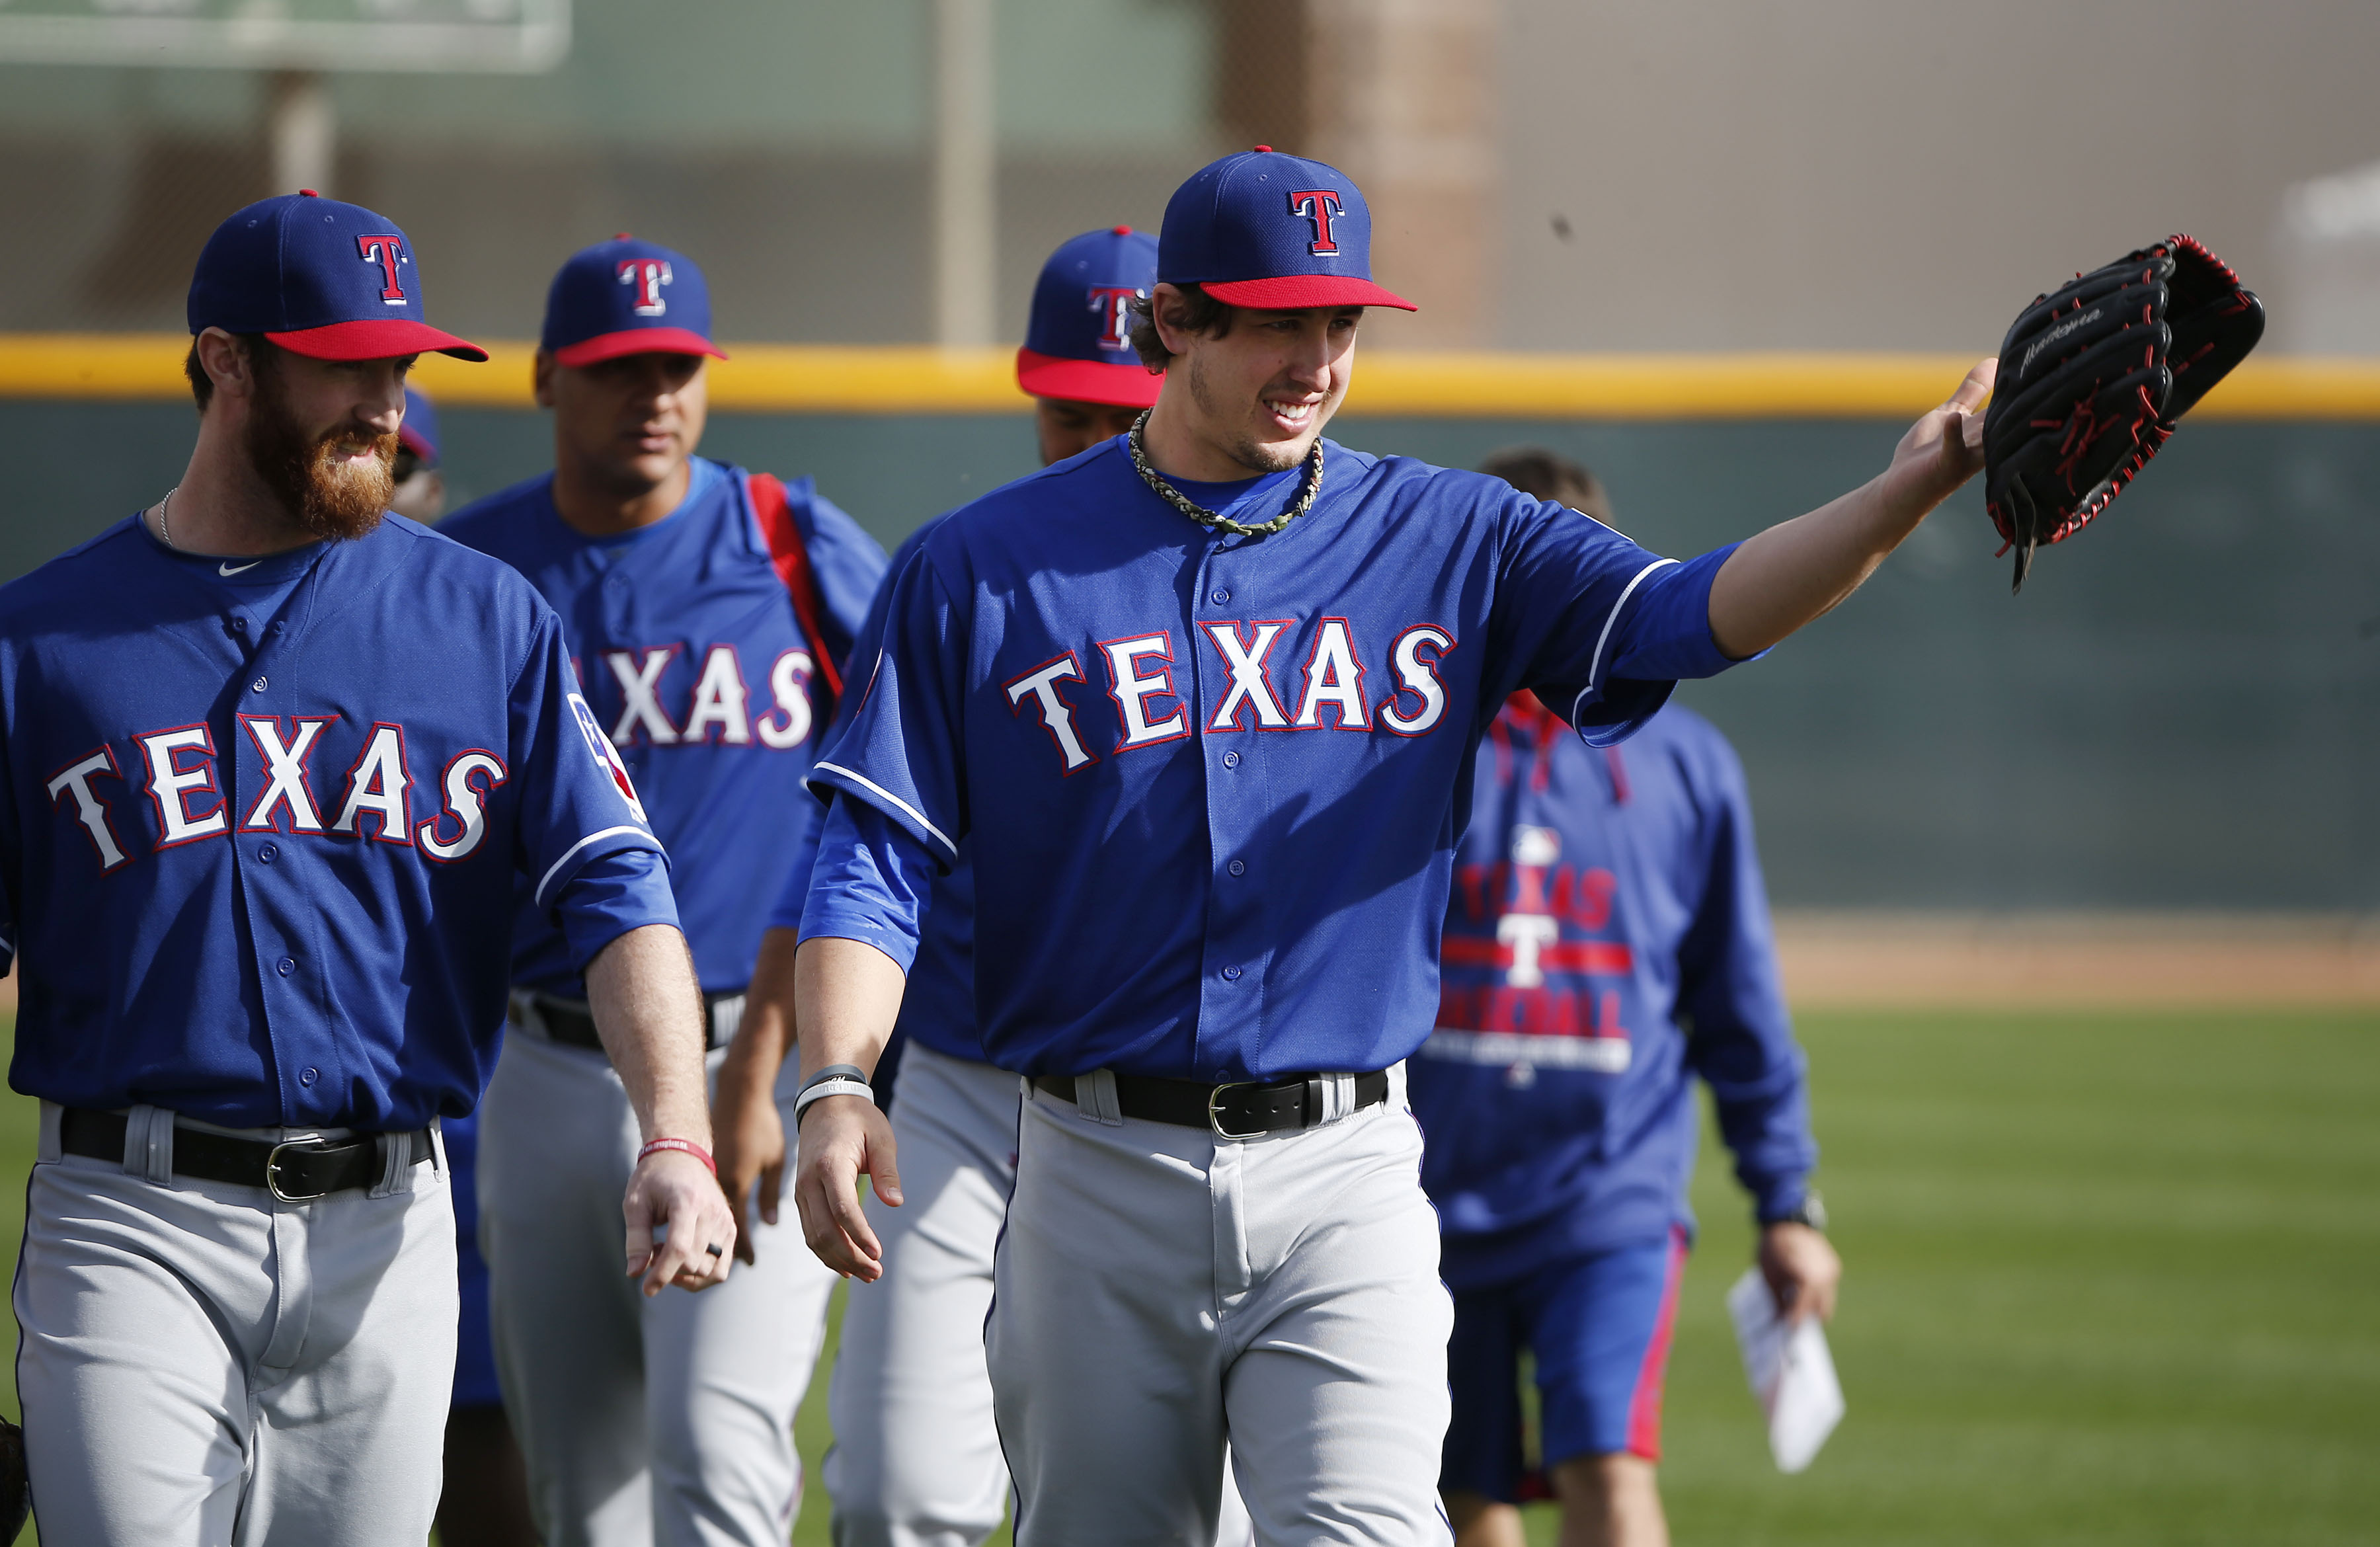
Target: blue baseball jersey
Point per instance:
(262, 821)
(699, 667)
(1607, 940)
(1213, 782)
(938, 1004)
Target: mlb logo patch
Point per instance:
(600, 745)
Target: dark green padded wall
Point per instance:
(2183, 710)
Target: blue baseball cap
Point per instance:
(418, 433)
(319, 278)
(624, 296)
(1276, 231)
(1078, 345)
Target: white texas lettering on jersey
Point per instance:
(1249, 688)
(376, 787)
(285, 771)
(182, 778)
(75, 779)
(789, 684)
(1334, 675)
(469, 779)
(639, 676)
(174, 782)
(1418, 678)
(719, 701)
(1131, 690)
(1150, 710)
(1041, 684)
(719, 711)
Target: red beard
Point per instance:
(327, 495)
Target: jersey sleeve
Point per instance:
(848, 563)
(576, 803)
(1600, 629)
(787, 913)
(870, 883)
(1732, 997)
(901, 749)
(626, 889)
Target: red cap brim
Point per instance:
(376, 339)
(1087, 380)
(636, 341)
(1300, 292)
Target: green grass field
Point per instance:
(2111, 1279)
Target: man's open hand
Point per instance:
(841, 1137)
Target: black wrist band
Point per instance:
(836, 1071)
(1811, 1211)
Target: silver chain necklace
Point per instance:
(163, 505)
(1309, 487)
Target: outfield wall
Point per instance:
(2182, 711)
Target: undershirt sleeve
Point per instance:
(870, 883)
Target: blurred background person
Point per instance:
(709, 610)
(420, 492)
(1606, 944)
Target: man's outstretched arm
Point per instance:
(1796, 570)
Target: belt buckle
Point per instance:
(272, 1170)
(1215, 1118)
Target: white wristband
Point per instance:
(844, 1086)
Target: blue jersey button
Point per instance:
(1230, 759)
(284, 967)
(1231, 974)
(1238, 868)
(308, 1077)
(269, 853)
(256, 687)
(1221, 596)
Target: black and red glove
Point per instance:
(2093, 377)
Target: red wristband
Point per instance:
(688, 1145)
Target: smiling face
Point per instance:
(627, 425)
(1256, 395)
(322, 436)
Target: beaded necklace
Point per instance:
(1309, 486)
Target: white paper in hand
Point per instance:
(1791, 1371)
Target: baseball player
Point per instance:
(916, 1458)
(1607, 940)
(708, 610)
(420, 492)
(485, 1500)
(1205, 701)
(272, 764)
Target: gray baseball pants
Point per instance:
(916, 1459)
(662, 1420)
(201, 1364)
(1160, 1289)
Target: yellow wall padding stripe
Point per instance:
(781, 378)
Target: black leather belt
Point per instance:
(296, 1172)
(572, 1024)
(1233, 1111)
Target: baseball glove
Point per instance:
(2093, 378)
(15, 1485)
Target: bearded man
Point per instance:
(269, 763)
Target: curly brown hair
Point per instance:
(1200, 312)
